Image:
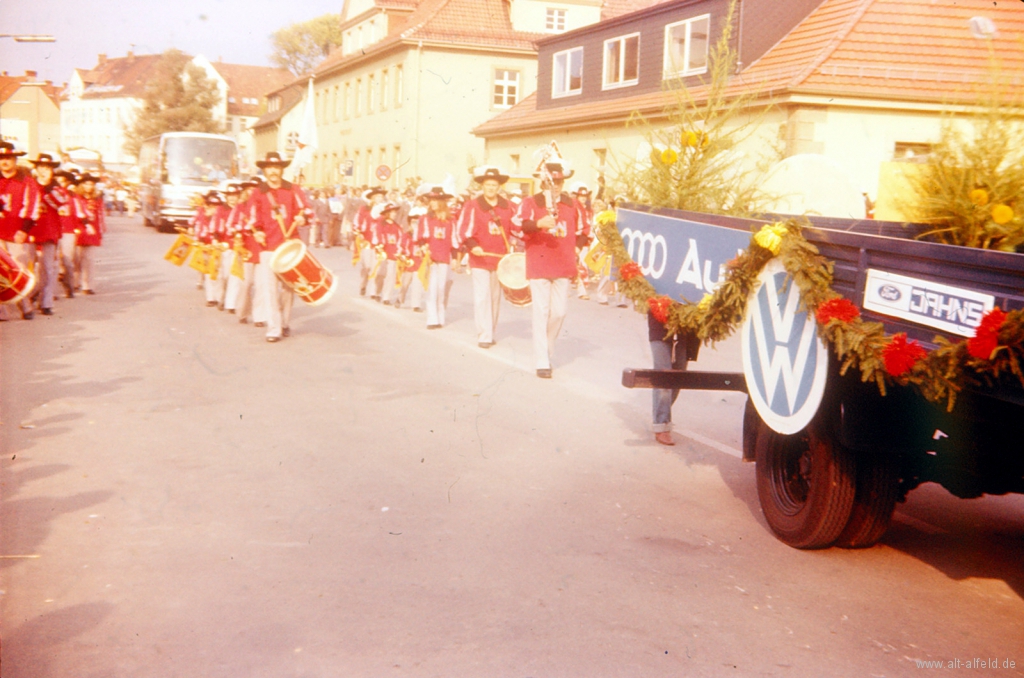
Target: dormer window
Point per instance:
(554, 20)
(686, 47)
(567, 74)
(622, 61)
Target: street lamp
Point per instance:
(29, 38)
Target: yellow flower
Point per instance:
(1002, 214)
(770, 238)
(669, 157)
(705, 303)
(690, 138)
(604, 218)
(979, 196)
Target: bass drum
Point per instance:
(512, 276)
(15, 282)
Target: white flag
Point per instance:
(308, 141)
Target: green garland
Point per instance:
(939, 374)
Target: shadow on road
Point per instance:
(38, 640)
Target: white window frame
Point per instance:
(566, 91)
(504, 82)
(399, 85)
(554, 19)
(621, 82)
(669, 69)
(384, 90)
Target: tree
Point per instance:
(179, 97)
(302, 46)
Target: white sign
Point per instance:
(784, 361)
(944, 307)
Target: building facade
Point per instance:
(30, 113)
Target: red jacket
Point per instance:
(549, 254)
(238, 224)
(91, 213)
(488, 226)
(438, 235)
(389, 235)
(19, 203)
(47, 227)
(274, 210)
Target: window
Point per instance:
(371, 93)
(359, 89)
(348, 100)
(621, 61)
(567, 75)
(686, 47)
(514, 161)
(554, 20)
(398, 86)
(506, 88)
(337, 104)
(396, 163)
(384, 90)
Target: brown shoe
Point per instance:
(665, 438)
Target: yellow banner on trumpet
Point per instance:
(182, 247)
(237, 266)
(424, 272)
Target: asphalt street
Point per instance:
(370, 498)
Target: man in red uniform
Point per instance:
(92, 215)
(46, 231)
(362, 226)
(19, 205)
(279, 209)
(551, 226)
(69, 225)
(436, 234)
(484, 228)
(387, 239)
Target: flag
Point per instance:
(308, 141)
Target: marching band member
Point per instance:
(233, 228)
(363, 228)
(484, 228)
(19, 205)
(46, 232)
(93, 216)
(551, 227)
(208, 232)
(436, 233)
(412, 287)
(581, 194)
(226, 257)
(69, 226)
(279, 209)
(387, 239)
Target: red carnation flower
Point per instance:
(659, 308)
(986, 336)
(901, 355)
(837, 309)
(629, 271)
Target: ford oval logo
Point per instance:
(889, 292)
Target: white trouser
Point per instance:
(435, 293)
(486, 303)
(234, 285)
(275, 302)
(86, 258)
(242, 300)
(227, 257)
(412, 289)
(385, 281)
(550, 299)
(367, 260)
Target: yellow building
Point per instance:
(30, 113)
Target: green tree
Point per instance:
(179, 97)
(302, 46)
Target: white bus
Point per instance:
(175, 168)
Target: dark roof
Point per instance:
(290, 95)
(118, 77)
(250, 82)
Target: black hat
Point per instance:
(273, 159)
(485, 172)
(45, 159)
(7, 150)
(213, 198)
(82, 178)
(555, 170)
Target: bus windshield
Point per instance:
(197, 160)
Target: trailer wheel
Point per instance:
(875, 500)
(806, 484)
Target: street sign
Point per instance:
(383, 172)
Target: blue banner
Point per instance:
(683, 259)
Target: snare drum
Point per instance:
(15, 282)
(297, 268)
(512, 276)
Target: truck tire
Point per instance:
(806, 484)
(873, 504)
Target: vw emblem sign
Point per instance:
(784, 360)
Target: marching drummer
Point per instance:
(363, 227)
(46, 231)
(279, 208)
(436, 234)
(484, 229)
(19, 204)
(552, 228)
(387, 241)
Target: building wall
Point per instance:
(445, 93)
(32, 114)
(99, 124)
(531, 15)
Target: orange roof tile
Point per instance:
(11, 84)
(250, 82)
(119, 77)
(919, 50)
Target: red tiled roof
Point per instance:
(11, 84)
(918, 50)
(250, 82)
(119, 77)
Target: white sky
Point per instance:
(236, 30)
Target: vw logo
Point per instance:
(784, 361)
(650, 252)
(889, 292)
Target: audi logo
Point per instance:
(644, 248)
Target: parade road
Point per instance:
(369, 498)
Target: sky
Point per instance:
(237, 31)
